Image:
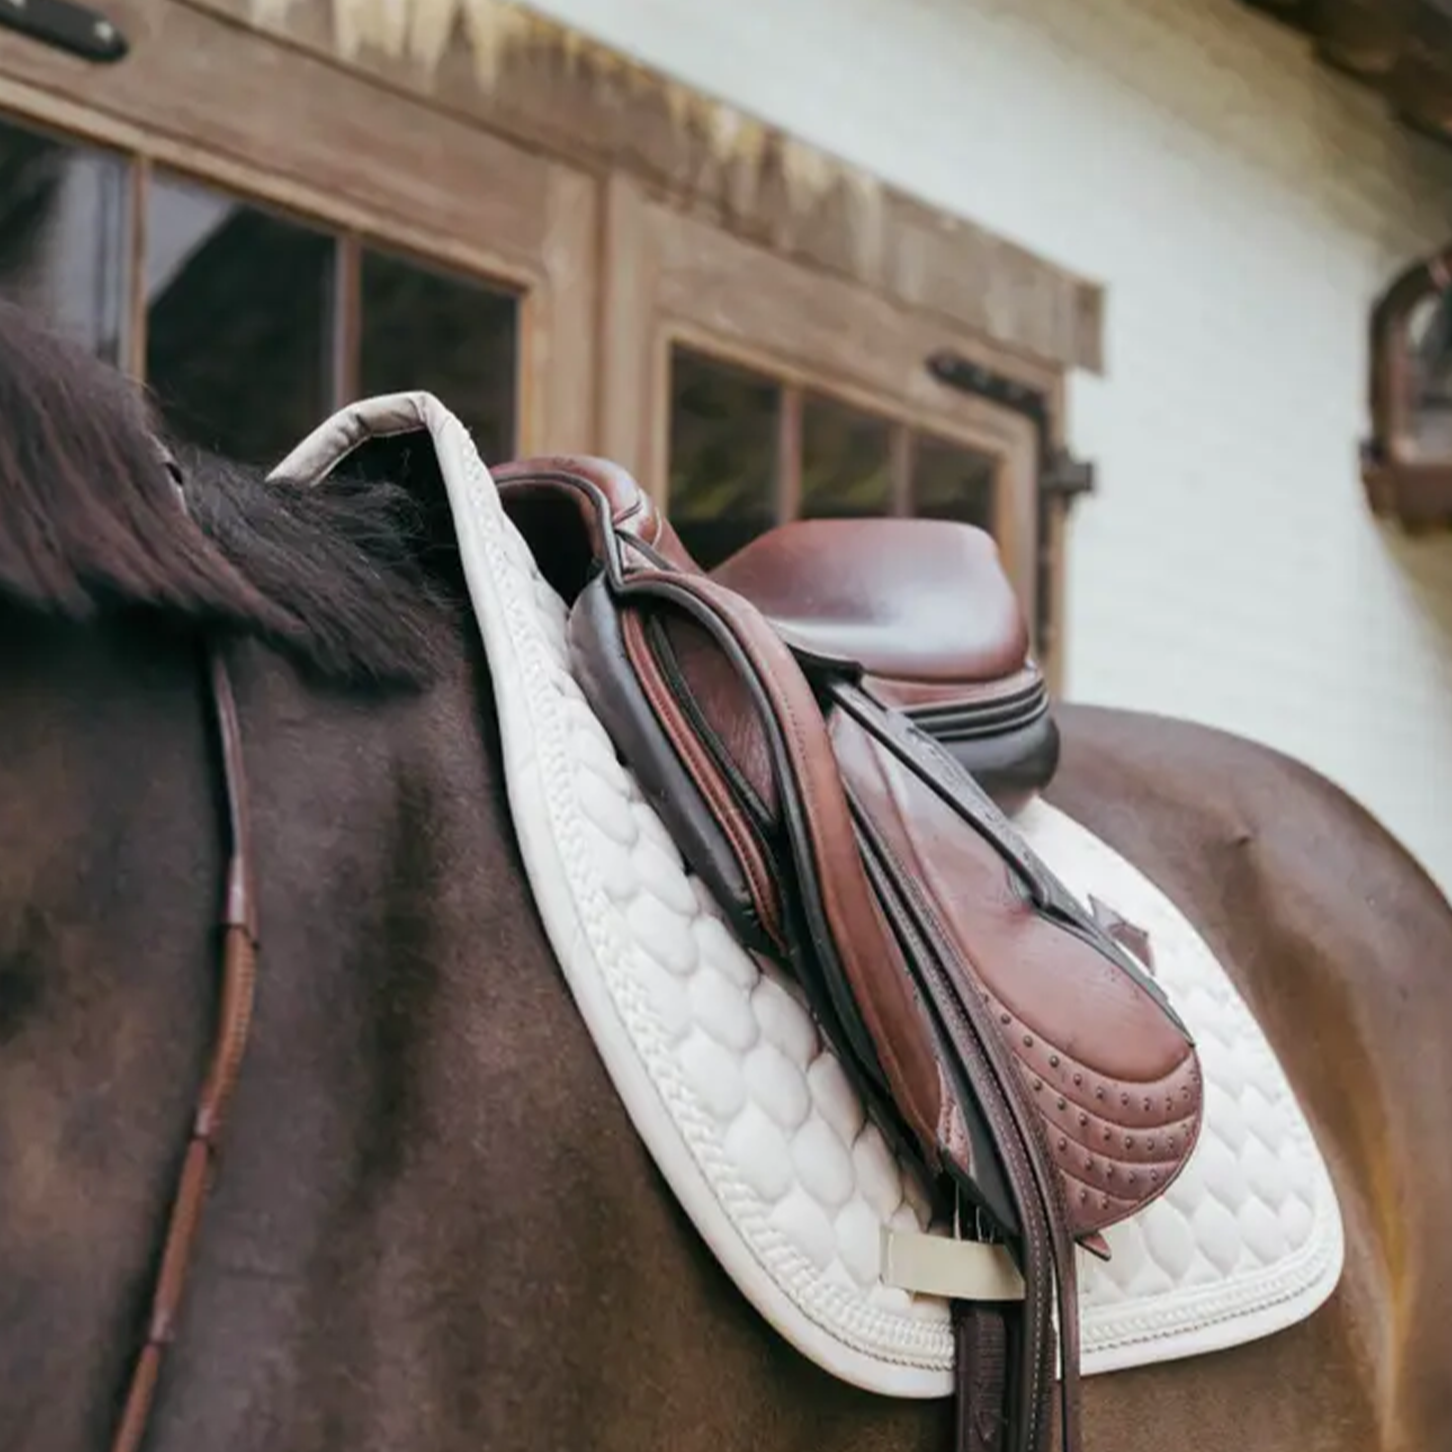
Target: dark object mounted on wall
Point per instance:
(1060, 475)
(1406, 464)
(72, 28)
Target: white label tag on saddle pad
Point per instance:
(958, 1270)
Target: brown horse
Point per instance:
(434, 1228)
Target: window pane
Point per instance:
(953, 482)
(846, 461)
(238, 322)
(449, 335)
(64, 235)
(723, 442)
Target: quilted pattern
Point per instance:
(748, 1113)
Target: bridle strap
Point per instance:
(229, 1046)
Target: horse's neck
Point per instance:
(386, 881)
(107, 903)
(399, 954)
(424, 1229)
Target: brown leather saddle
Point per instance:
(807, 720)
(930, 619)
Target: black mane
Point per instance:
(90, 525)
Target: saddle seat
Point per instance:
(922, 608)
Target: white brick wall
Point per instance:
(1243, 206)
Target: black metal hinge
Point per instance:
(1065, 477)
(1060, 475)
(66, 26)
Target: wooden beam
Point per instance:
(713, 285)
(904, 453)
(198, 86)
(627, 334)
(1401, 49)
(788, 482)
(347, 319)
(551, 89)
(133, 332)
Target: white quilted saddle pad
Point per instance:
(747, 1111)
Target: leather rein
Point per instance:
(229, 1045)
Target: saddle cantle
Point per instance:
(1003, 1038)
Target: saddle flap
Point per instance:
(1114, 1078)
(623, 666)
(906, 1027)
(728, 737)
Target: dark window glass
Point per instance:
(64, 235)
(846, 461)
(238, 322)
(446, 334)
(723, 446)
(953, 482)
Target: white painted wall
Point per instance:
(1244, 206)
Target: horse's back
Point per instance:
(1342, 945)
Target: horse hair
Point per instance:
(331, 575)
